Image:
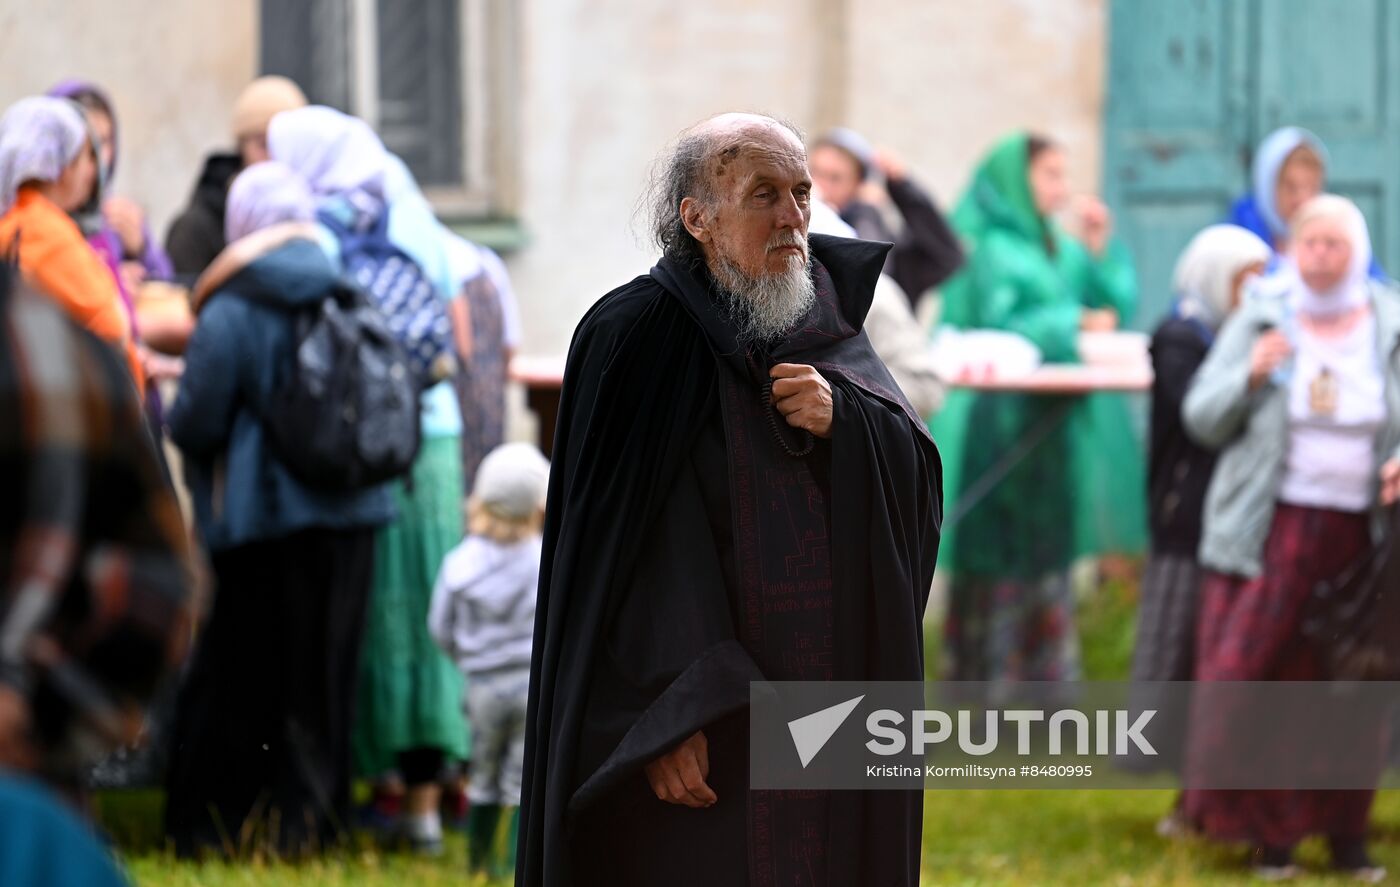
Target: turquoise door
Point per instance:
(1195, 84)
(1332, 67)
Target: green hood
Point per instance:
(1000, 194)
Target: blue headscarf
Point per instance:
(1268, 163)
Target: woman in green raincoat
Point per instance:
(1080, 490)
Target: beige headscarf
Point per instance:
(1205, 273)
(260, 101)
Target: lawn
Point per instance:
(991, 837)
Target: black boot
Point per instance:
(1274, 863)
(1349, 855)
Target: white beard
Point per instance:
(764, 308)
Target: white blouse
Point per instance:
(1336, 407)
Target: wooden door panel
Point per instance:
(1331, 67)
(1176, 126)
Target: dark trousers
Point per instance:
(260, 752)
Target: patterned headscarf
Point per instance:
(39, 137)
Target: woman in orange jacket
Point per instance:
(47, 169)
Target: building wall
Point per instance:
(936, 82)
(172, 68)
(604, 85)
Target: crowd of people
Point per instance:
(1271, 460)
(353, 593)
(319, 552)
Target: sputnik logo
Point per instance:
(810, 733)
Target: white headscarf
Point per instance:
(1205, 273)
(1354, 289)
(338, 155)
(1268, 163)
(263, 195)
(39, 137)
(825, 220)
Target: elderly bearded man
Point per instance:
(740, 492)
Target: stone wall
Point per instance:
(604, 84)
(173, 69)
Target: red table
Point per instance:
(543, 377)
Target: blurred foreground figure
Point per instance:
(43, 844)
(739, 492)
(97, 605)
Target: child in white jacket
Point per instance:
(483, 616)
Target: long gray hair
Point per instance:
(682, 171)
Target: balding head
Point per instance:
(734, 194)
(701, 163)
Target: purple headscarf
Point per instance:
(76, 90)
(338, 155)
(266, 194)
(89, 217)
(39, 137)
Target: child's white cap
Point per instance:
(512, 480)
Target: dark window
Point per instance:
(418, 103)
(420, 86)
(309, 41)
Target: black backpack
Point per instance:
(347, 414)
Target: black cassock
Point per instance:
(694, 543)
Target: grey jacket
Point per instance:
(1251, 428)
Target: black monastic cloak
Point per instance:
(635, 646)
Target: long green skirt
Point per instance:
(410, 693)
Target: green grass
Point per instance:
(991, 837)
(983, 837)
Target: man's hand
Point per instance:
(1271, 349)
(1390, 482)
(803, 396)
(16, 747)
(678, 777)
